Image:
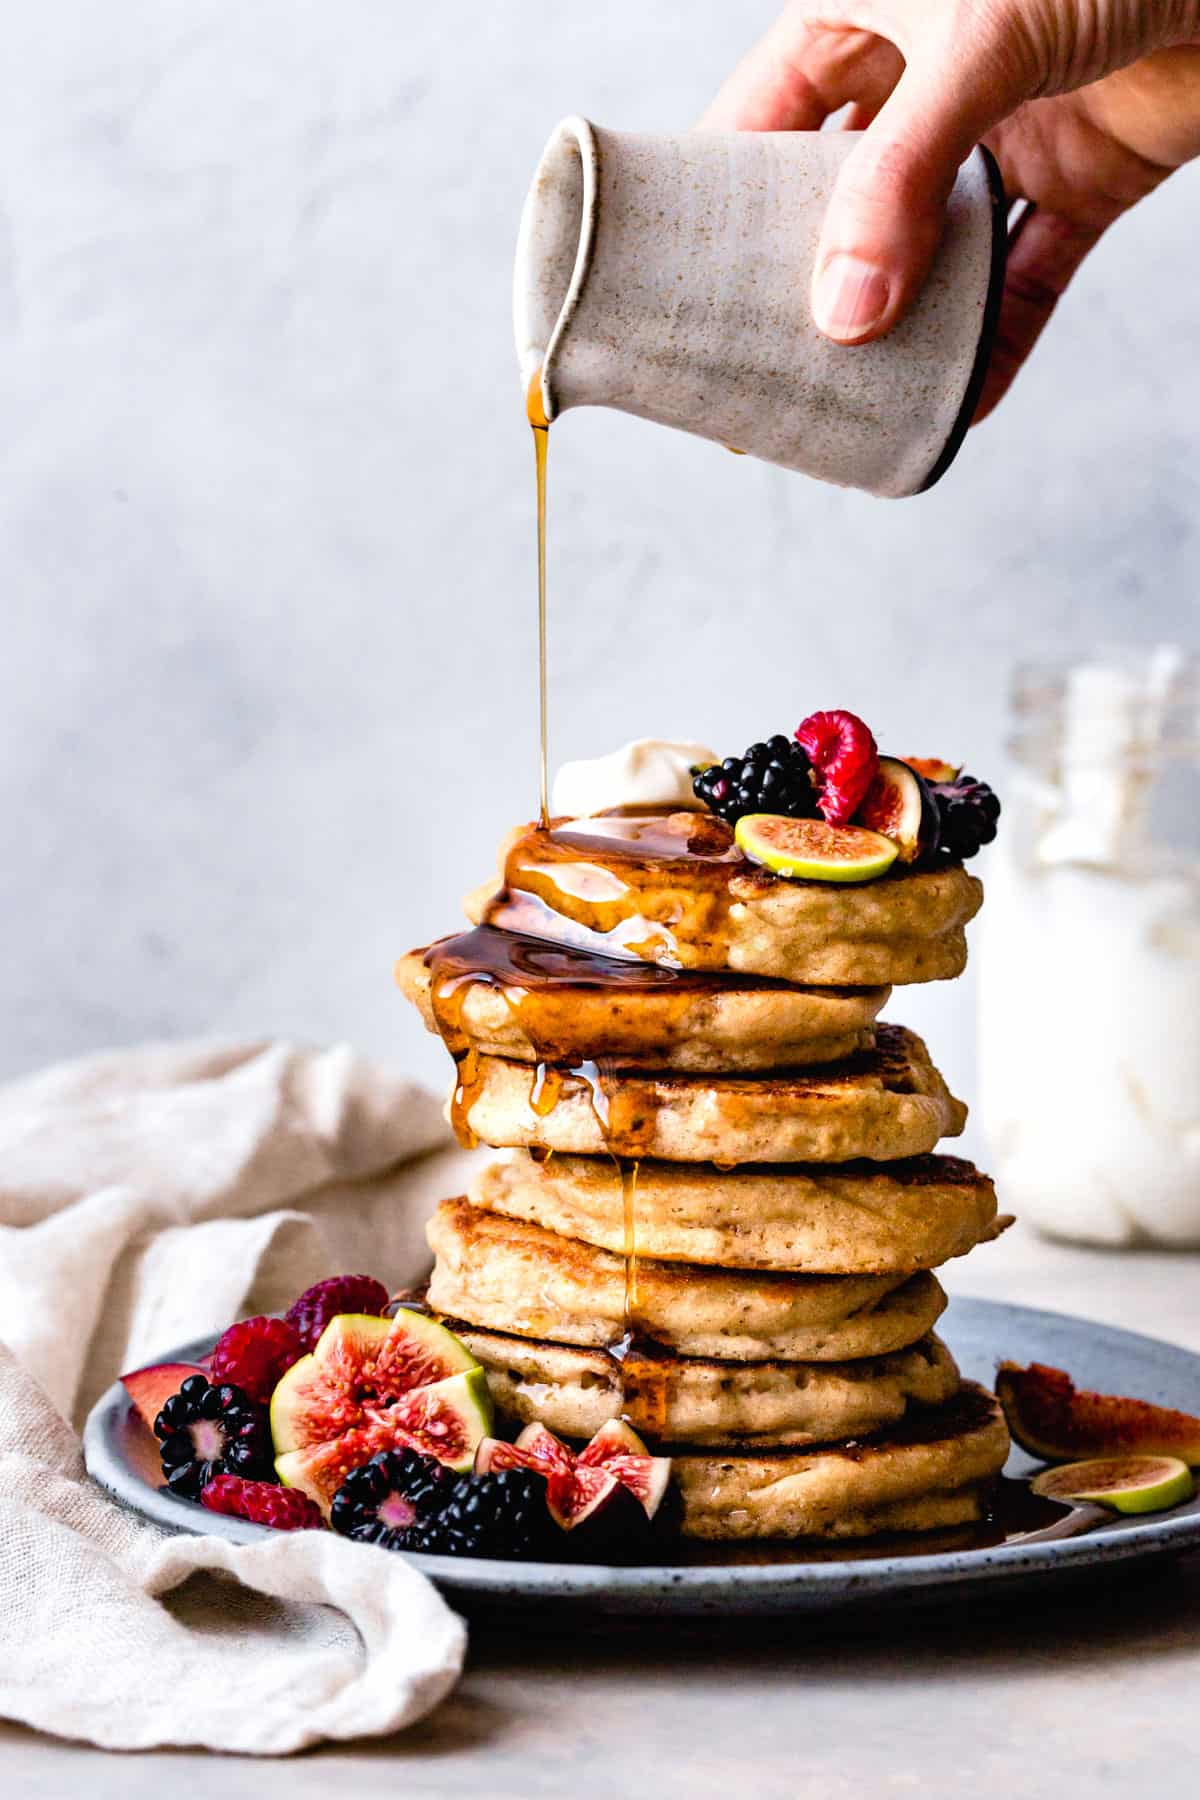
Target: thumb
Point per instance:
(885, 219)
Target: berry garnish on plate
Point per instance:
(393, 1493)
(206, 1430)
(311, 1313)
(403, 1501)
(255, 1354)
(264, 1502)
(845, 760)
(503, 1515)
(772, 777)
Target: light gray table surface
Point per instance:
(1090, 1690)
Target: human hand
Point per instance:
(1087, 105)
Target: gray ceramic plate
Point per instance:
(121, 1456)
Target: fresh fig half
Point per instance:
(150, 1388)
(445, 1419)
(377, 1384)
(1058, 1422)
(810, 850)
(1126, 1484)
(361, 1364)
(899, 805)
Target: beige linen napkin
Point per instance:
(148, 1197)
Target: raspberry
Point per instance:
(284, 1509)
(255, 1355)
(311, 1313)
(845, 758)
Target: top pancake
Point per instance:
(674, 888)
(532, 1001)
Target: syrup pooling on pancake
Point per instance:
(672, 888)
(622, 880)
(539, 981)
(537, 1000)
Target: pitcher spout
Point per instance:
(554, 251)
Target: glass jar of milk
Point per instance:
(1090, 949)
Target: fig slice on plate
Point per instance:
(899, 806)
(1058, 1422)
(618, 1450)
(377, 1384)
(1126, 1484)
(150, 1388)
(444, 1419)
(810, 850)
(607, 1497)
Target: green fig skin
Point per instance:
(1124, 1484)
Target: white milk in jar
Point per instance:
(1090, 954)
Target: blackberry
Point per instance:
(386, 1500)
(967, 815)
(502, 1515)
(209, 1429)
(772, 777)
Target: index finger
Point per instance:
(800, 73)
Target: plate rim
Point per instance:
(1118, 1540)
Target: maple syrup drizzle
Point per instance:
(629, 1180)
(447, 999)
(546, 1089)
(646, 940)
(535, 412)
(617, 884)
(642, 1368)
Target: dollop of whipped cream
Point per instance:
(647, 772)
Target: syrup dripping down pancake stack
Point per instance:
(718, 1205)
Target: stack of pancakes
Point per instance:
(717, 1209)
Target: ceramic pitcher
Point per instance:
(669, 276)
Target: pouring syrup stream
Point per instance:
(535, 412)
(548, 1081)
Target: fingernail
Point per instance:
(850, 297)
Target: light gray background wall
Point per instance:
(266, 679)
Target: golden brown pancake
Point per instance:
(933, 1471)
(533, 1001)
(674, 888)
(880, 1104)
(515, 1277)
(847, 1219)
(696, 1400)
